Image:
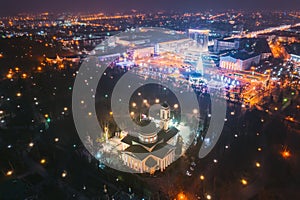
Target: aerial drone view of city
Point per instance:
(150, 100)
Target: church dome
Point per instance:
(148, 134)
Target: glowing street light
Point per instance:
(9, 76)
(181, 196)
(208, 197)
(257, 164)
(43, 161)
(176, 106)
(156, 100)
(9, 173)
(286, 154)
(202, 177)
(64, 174)
(24, 75)
(31, 144)
(244, 182)
(259, 149)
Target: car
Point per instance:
(188, 173)
(193, 164)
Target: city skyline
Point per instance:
(15, 6)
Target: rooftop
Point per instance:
(162, 135)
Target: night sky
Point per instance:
(11, 7)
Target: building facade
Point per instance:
(239, 61)
(146, 152)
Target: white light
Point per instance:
(64, 174)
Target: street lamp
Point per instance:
(43, 161)
(181, 196)
(286, 154)
(208, 197)
(202, 177)
(259, 149)
(257, 164)
(9, 173)
(64, 174)
(244, 182)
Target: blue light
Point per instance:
(98, 155)
(101, 166)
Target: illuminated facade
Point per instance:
(239, 61)
(150, 151)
